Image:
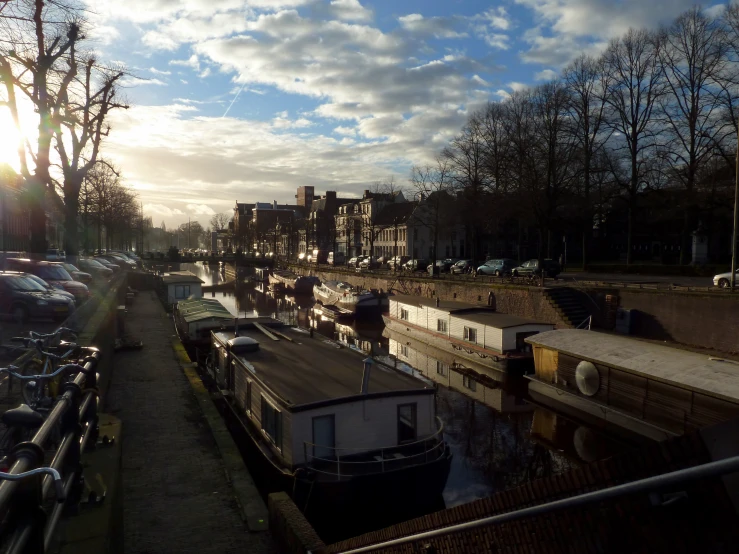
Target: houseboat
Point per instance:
(181, 285)
(331, 313)
(261, 274)
(651, 389)
(469, 333)
(345, 296)
(333, 429)
(287, 280)
(195, 319)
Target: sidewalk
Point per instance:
(176, 497)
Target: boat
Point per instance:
(332, 313)
(347, 297)
(194, 320)
(651, 389)
(261, 274)
(287, 280)
(336, 431)
(472, 334)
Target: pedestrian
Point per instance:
(562, 263)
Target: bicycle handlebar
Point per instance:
(35, 335)
(12, 370)
(58, 483)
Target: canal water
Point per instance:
(499, 438)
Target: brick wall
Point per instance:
(290, 529)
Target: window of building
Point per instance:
(470, 334)
(404, 314)
(407, 424)
(469, 383)
(182, 291)
(272, 422)
(403, 350)
(441, 325)
(441, 368)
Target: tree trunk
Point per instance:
(71, 228)
(629, 231)
(37, 213)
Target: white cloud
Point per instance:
(162, 209)
(350, 10)
(516, 86)
(192, 62)
(546, 75)
(156, 71)
(438, 27)
(349, 131)
(138, 81)
(200, 209)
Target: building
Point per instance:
(305, 197)
(181, 285)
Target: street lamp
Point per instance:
(736, 216)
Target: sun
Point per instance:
(8, 140)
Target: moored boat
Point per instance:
(303, 284)
(336, 430)
(346, 297)
(470, 333)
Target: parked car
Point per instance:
(336, 258)
(53, 290)
(95, 268)
(123, 258)
(55, 255)
(500, 267)
(355, 261)
(416, 264)
(531, 267)
(369, 262)
(76, 274)
(107, 263)
(462, 266)
(443, 266)
(723, 280)
(23, 298)
(120, 262)
(54, 274)
(397, 261)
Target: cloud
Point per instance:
(200, 209)
(162, 209)
(156, 71)
(191, 62)
(516, 86)
(438, 27)
(138, 81)
(350, 10)
(546, 75)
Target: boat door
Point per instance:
(324, 437)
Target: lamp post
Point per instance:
(736, 217)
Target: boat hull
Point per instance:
(370, 304)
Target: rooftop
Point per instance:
(309, 370)
(470, 312)
(180, 277)
(202, 308)
(690, 370)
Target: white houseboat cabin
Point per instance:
(473, 332)
(181, 285)
(320, 407)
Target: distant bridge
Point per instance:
(254, 261)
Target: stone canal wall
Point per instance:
(705, 320)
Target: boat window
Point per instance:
(441, 325)
(403, 314)
(403, 350)
(272, 422)
(182, 291)
(441, 368)
(470, 334)
(406, 423)
(469, 383)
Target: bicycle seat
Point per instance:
(22, 416)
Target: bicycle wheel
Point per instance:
(34, 392)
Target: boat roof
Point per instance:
(202, 308)
(469, 312)
(699, 372)
(181, 277)
(306, 371)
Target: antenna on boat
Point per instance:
(366, 375)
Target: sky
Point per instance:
(248, 99)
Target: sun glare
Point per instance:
(8, 140)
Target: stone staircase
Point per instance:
(566, 303)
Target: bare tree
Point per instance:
(432, 184)
(693, 56)
(220, 221)
(587, 83)
(637, 84)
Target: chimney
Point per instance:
(274, 204)
(366, 375)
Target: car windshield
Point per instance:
(39, 280)
(102, 261)
(53, 272)
(70, 267)
(25, 283)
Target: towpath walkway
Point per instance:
(176, 497)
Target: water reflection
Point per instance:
(499, 438)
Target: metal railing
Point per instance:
(649, 484)
(27, 527)
(383, 459)
(585, 323)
